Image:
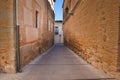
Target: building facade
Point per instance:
(92, 30)
(58, 31)
(24, 32)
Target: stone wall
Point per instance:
(34, 41)
(35, 36)
(7, 42)
(91, 29)
(58, 38)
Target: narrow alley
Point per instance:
(58, 63)
(59, 39)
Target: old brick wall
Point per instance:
(7, 42)
(92, 31)
(34, 41)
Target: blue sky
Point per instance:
(58, 10)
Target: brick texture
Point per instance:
(91, 29)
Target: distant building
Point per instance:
(26, 30)
(52, 3)
(58, 32)
(92, 30)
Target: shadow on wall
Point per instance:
(119, 49)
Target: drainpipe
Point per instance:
(17, 37)
(47, 14)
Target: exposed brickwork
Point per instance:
(92, 31)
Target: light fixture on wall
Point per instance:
(66, 9)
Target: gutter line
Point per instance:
(17, 38)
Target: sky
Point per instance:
(58, 10)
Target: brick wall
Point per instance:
(92, 31)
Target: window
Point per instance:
(49, 26)
(36, 19)
(56, 30)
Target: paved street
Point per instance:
(58, 63)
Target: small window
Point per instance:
(56, 30)
(37, 21)
(49, 26)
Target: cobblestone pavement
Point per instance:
(58, 63)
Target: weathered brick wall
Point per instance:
(93, 32)
(7, 45)
(34, 41)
